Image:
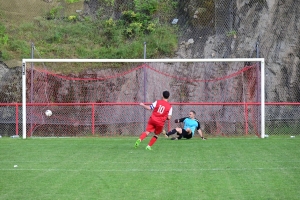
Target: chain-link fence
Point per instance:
(79, 104)
(207, 29)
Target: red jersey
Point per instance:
(161, 110)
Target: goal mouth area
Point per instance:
(175, 83)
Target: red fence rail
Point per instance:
(115, 118)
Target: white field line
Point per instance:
(152, 163)
(152, 170)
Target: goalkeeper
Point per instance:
(191, 124)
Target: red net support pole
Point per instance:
(17, 119)
(246, 118)
(93, 119)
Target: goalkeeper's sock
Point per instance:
(152, 141)
(143, 136)
(179, 136)
(171, 132)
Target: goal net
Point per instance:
(103, 98)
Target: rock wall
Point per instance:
(266, 29)
(10, 84)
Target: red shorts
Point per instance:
(154, 127)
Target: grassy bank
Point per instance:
(58, 32)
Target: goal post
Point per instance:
(147, 61)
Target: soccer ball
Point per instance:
(48, 113)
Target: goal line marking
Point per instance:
(153, 170)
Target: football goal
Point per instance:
(101, 97)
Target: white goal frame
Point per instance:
(262, 78)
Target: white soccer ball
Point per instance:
(48, 113)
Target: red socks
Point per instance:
(153, 140)
(143, 136)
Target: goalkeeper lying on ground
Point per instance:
(191, 124)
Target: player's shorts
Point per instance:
(154, 127)
(186, 134)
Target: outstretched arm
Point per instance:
(201, 134)
(145, 106)
(180, 120)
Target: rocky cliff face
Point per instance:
(267, 29)
(10, 84)
(255, 28)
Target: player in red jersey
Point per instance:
(161, 111)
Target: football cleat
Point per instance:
(165, 133)
(137, 143)
(148, 148)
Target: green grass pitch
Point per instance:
(110, 168)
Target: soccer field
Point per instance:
(110, 168)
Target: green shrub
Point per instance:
(4, 39)
(54, 13)
(72, 18)
(109, 2)
(56, 37)
(5, 55)
(139, 21)
(147, 7)
(162, 42)
(27, 27)
(112, 32)
(21, 47)
(72, 1)
(88, 38)
(3, 35)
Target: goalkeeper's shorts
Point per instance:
(186, 134)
